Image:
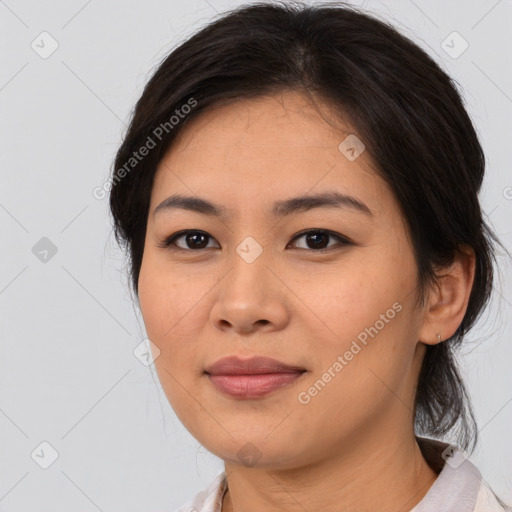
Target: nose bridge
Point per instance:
(248, 265)
(250, 250)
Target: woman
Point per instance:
(298, 193)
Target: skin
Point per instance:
(352, 447)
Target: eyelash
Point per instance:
(169, 242)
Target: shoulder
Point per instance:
(459, 485)
(209, 499)
(486, 500)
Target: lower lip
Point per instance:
(252, 386)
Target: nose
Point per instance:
(250, 298)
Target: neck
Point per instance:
(385, 476)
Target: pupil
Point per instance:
(193, 236)
(315, 236)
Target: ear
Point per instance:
(448, 298)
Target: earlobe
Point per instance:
(448, 298)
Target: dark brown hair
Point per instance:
(403, 106)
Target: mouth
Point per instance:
(251, 378)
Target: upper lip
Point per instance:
(234, 365)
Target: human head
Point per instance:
(400, 103)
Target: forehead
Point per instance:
(286, 118)
(277, 145)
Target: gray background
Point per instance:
(68, 375)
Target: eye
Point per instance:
(318, 239)
(193, 240)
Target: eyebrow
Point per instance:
(281, 208)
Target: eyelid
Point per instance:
(169, 242)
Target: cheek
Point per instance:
(366, 314)
(353, 295)
(169, 304)
(168, 300)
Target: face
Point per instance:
(327, 288)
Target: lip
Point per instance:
(251, 378)
(234, 365)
